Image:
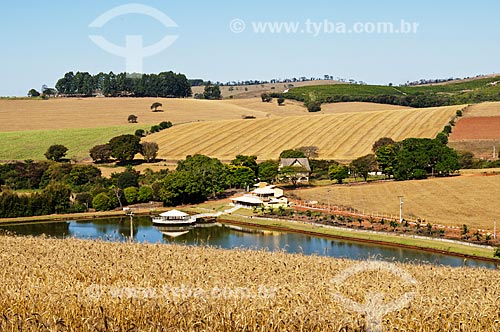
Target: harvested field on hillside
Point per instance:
(104, 112)
(470, 200)
(75, 285)
(338, 136)
(483, 109)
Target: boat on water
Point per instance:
(174, 218)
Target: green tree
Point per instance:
(132, 118)
(155, 105)
(313, 106)
(56, 152)
(248, 161)
(56, 197)
(386, 159)
(338, 172)
(443, 138)
(291, 174)
(33, 93)
(266, 98)
(125, 147)
(102, 202)
(466, 159)
(364, 165)
(165, 125)
(150, 151)
(140, 133)
(84, 174)
(212, 92)
(291, 153)
(281, 101)
(145, 194)
(418, 157)
(382, 142)
(195, 179)
(240, 176)
(268, 170)
(131, 194)
(128, 178)
(101, 153)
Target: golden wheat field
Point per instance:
(105, 112)
(338, 136)
(483, 110)
(470, 200)
(64, 113)
(78, 285)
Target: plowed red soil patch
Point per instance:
(477, 128)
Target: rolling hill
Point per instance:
(463, 92)
(344, 136)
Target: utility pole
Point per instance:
(400, 209)
(130, 213)
(495, 229)
(329, 190)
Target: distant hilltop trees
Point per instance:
(165, 84)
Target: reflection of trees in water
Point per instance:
(52, 229)
(115, 227)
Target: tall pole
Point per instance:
(329, 190)
(131, 215)
(400, 209)
(495, 229)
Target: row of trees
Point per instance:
(410, 159)
(165, 84)
(123, 148)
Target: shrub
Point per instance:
(140, 133)
(266, 98)
(313, 106)
(56, 152)
(102, 202)
(459, 113)
(101, 153)
(130, 194)
(281, 101)
(497, 253)
(165, 125)
(149, 150)
(442, 137)
(132, 118)
(145, 194)
(155, 129)
(125, 147)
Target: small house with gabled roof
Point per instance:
(301, 165)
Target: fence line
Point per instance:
(375, 215)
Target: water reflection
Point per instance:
(227, 236)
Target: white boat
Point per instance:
(174, 218)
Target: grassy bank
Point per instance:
(377, 238)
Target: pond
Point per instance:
(229, 237)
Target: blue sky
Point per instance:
(44, 39)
